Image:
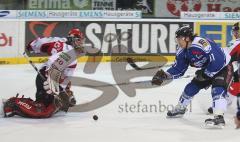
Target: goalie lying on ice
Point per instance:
(53, 80)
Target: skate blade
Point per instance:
(176, 116)
(212, 126)
(208, 113)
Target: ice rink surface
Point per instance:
(123, 119)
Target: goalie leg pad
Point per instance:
(26, 107)
(9, 107)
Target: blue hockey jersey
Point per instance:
(203, 53)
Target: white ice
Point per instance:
(113, 124)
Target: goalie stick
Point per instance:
(33, 65)
(53, 82)
(136, 67)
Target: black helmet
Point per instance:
(235, 27)
(184, 31)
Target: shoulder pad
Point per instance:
(202, 44)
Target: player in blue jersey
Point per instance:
(214, 70)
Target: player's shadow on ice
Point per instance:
(59, 118)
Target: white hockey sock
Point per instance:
(219, 106)
(185, 100)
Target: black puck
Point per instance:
(95, 117)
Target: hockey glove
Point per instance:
(201, 76)
(71, 99)
(159, 77)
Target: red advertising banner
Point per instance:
(9, 39)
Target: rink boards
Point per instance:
(144, 40)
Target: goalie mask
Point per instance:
(75, 38)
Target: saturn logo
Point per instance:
(4, 13)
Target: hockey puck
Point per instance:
(95, 117)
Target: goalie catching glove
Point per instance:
(68, 100)
(160, 77)
(59, 84)
(67, 97)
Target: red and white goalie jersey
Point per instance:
(49, 45)
(234, 47)
(55, 47)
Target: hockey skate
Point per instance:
(2, 103)
(9, 107)
(216, 122)
(177, 112)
